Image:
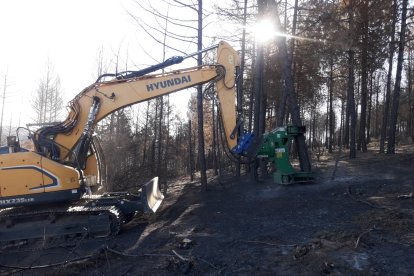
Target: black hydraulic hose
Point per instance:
(230, 155)
(168, 62)
(103, 76)
(134, 74)
(82, 147)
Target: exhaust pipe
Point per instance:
(151, 196)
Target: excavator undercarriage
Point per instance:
(93, 216)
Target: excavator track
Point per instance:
(18, 224)
(92, 216)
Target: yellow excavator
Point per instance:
(50, 190)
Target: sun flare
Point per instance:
(264, 30)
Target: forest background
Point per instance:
(346, 67)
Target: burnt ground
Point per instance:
(356, 219)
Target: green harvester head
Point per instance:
(275, 147)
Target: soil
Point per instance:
(355, 219)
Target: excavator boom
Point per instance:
(51, 186)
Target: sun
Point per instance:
(264, 30)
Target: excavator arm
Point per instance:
(51, 184)
(103, 98)
(67, 159)
(62, 161)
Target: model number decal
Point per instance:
(16, 200)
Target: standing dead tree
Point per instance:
(397, 88)
(391, 51)
(48, 100)
(3, 98)
(159, 33)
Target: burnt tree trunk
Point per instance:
(153, 144)
(364, 80)
(258, 79)
(351, 104)
(190, 152)
(410, 90)
(282, 104)
(351, 112)
(160, 142)
(389, 75)
(376, 122)
(397, 87)
(201, 150)
(291, 95)
(252, 95)
(215, 142)
(144, 153)
(331, 112)
(369, 109)
(240, 85)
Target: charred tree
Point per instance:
(351, 104)
(364, 78)
(291, 94)
(391, 51)
(397, 87)
(201, 150)
(331, 113)
(190, 151)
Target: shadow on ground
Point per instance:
(359, 222)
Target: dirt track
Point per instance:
(359, 223)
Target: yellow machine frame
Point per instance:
(28, 177)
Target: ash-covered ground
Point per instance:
(355, 219)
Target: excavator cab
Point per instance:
(13, 143)
(13, 146)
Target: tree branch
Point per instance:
(145, 26)
(157, 40)
(186, 5)
(154, 10)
